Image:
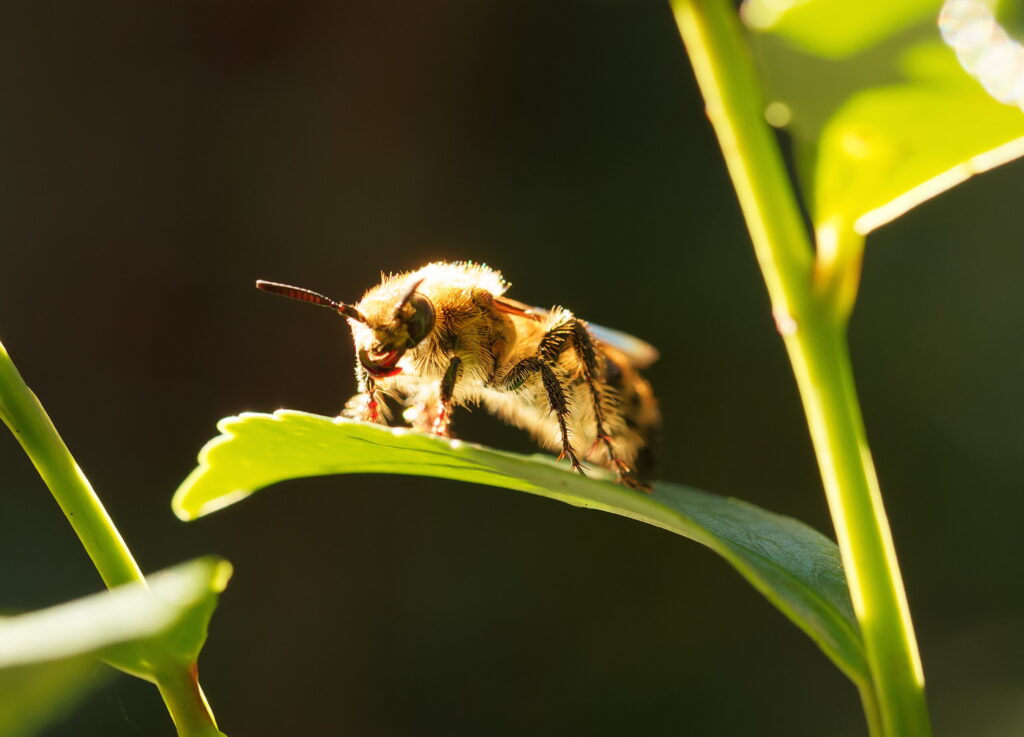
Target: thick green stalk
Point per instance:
(811, 298)
(25, 416)
(181, 692)
(22, 412)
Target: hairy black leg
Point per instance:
(556, 399)
(554, 341)
(573, 331)
(443, 420)
(583, 344)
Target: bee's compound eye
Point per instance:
(422, 320)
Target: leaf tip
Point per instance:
(187, 507)
(220, 574)
(189, 582)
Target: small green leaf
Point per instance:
(836, 28)
(48, 658)
(893, 122)
(795, 567)
(191, 595)
(889, 148)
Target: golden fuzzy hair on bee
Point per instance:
(445, 336)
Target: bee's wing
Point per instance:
(518, 309)
(639, 352)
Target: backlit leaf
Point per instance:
(795, 567)
(50, 657)
(882, 124)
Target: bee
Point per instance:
(446, 335)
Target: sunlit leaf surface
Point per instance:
(882, 113)
(48, 658)
(795, 567)
(836, 28)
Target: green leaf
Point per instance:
(49, 658)
(190, 593)
(32, 696)
(836, 28)
(882, 114)
(795, 567)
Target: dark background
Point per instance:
(155, 159)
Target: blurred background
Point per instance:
(157, 158)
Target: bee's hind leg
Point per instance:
(556, 399)
(573, 330)
(583, 344)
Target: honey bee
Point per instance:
(446, 335)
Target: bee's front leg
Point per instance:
(365, 408)
(434, 414)
(367, 405)
(443, 419)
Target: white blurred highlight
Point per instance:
(984, 49)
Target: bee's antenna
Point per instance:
(408, 295)
(308, 295)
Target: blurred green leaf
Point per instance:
(32, 696)
(882, 114)
(189, 592)
(836, 28)
(50, 657)
(795, 567)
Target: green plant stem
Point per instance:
(26, 418)
(23, 413)
(186, 703)
(811, 300)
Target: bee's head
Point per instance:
(394, 324)
(383, 329)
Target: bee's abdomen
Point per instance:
(637, 409)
